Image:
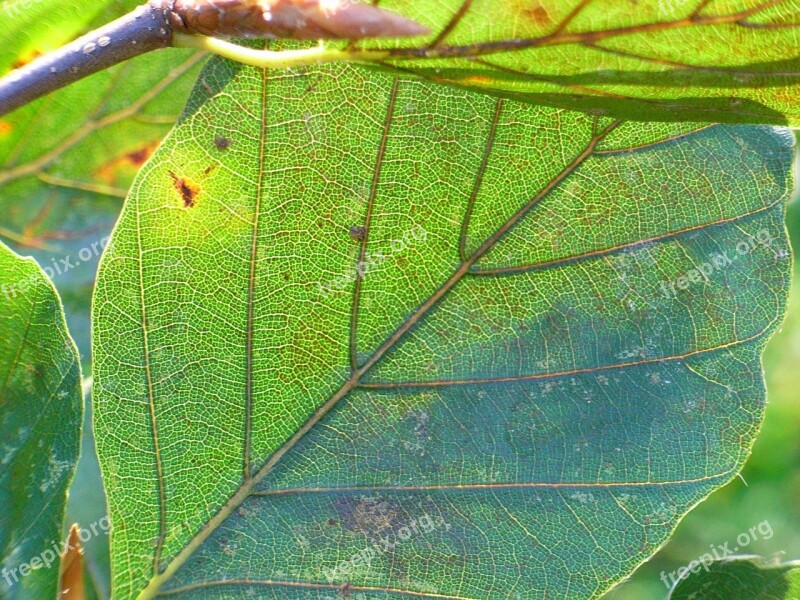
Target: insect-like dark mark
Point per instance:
(222, 143)
(186, 188)
(210, 169)
(358, 232)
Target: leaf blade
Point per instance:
(678, 61)
(41, 403)
(411, 154)
(741, 577)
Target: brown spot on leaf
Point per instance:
(130, 162)
(538, 14)
(138, 157)
(358, 232)
(222, 143)
(210, 169)
(186, 188)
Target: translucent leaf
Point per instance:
(516, 343)
(671, 60)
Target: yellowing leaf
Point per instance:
(71, 586)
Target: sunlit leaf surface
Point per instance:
(342, 312)
(675, 60)
(40, 419)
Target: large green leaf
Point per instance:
(514, 370)
(740, 579)
(675, 60)
(40, 421)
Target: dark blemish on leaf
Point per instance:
(332, 522)
(538, 14)
(222, 143)
(358, 232)
(210, 169)
(138, 157)
(111, 171)
(346, 590)
(311, 87)
(186, 188)
(368, 515)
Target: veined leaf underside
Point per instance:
(498, 252)
(591, 55)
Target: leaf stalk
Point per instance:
(271, 59)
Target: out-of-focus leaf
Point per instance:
(746, 578)
(32, 28)
(525, 389)
(66, 161)
(40, 420)
(674, 60)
